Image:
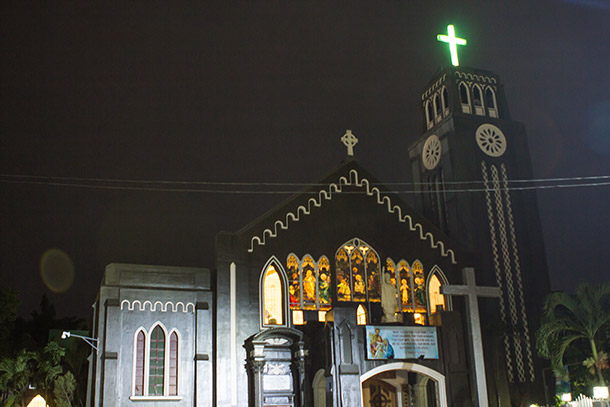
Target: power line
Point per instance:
(224, 183)
(290, 192)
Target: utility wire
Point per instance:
(297, 184)
(289, 192)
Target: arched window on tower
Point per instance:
(429, 115)
(438, 113)
(445, 100)
(477, 97)
(464, 98)
(272, 296)
(490, 99)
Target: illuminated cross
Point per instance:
(350, 141)
(471, 291)
(453, 42)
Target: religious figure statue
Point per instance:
(388, 299)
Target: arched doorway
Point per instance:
(403, 385)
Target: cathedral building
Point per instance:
(345, 295)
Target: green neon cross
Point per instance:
(453, 42)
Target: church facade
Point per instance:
(345, 295)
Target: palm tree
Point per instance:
(569, 320)
(15, 377)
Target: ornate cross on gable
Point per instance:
(350, 141)
(472, 292)
(453, 42)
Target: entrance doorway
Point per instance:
(403, 385)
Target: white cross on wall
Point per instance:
(472, 292)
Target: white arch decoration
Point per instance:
(168, 306)
(327, 195)
(411, 367)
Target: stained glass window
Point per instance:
(404, 290)
(273, 313)
(419, 287)
(309, 283)
(139, 364)
(358, 274)
(156, 365)
(173, 364)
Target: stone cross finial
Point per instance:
(350, 141)
(471, 291)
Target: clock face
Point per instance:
(491, 140)
(431, 153)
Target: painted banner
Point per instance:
(401, 342)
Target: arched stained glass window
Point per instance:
(436, 299)
(373, 278)
(344, 292)
(294, 282)
(404, 290)
(358, 277)
(358, 274)
(173, 364)
(139, 364)
(156, 364)
(324, 283)
(309, 283)
(419, 287)
(273, 313)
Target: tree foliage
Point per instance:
(579, 320)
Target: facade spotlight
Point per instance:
(91, 341)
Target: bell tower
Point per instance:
(468, 167)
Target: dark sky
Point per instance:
(261, 91)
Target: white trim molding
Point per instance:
(327, 195)
(168, 306)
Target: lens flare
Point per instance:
(57, 270)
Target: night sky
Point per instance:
(261, 92)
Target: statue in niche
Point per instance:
(388, 299)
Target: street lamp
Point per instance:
(91, 341)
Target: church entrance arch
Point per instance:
(403, 385)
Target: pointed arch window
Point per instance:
(429, 116)
(273, 307)
(464, 97)
(361, 315)
(477, 97)
(410, 285)
(437, 300)
(490, 99)
(155, 364)
(139, 363)
(437, 108)
(358, 273)
(445, 100)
